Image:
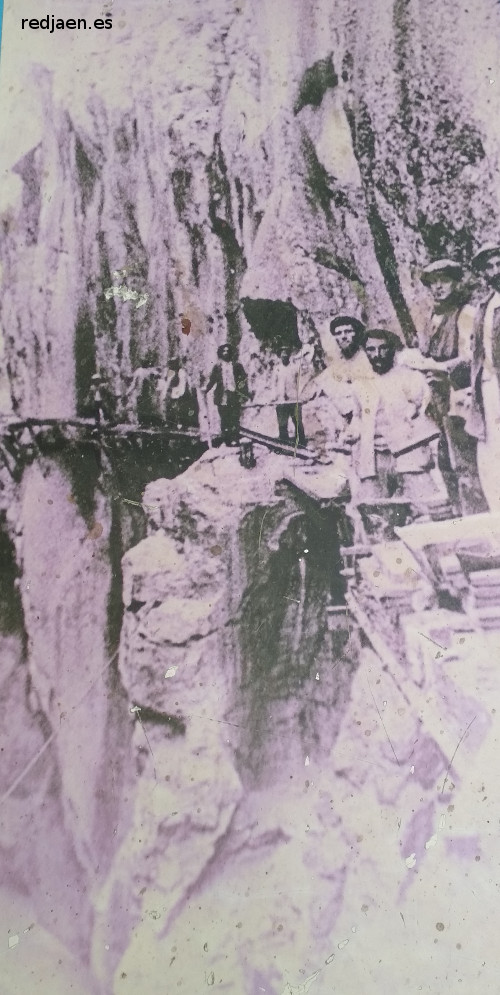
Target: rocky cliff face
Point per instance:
(319, 157)
(316, 155)
(235, 683)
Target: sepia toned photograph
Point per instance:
(250, 497)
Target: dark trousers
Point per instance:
(229, 414)
(284, 413)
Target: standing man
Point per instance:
(348, 363)
(230, 394)
(178, 401)
(348, 358)
(448, 351)
(450, 328)
(291, 387)
(483, 422)
(394, 455)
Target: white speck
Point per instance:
(411, 860)
(491, 81)
(432, 842)
(317, 677)
(27, 587)
(442, 823)
(412, 769)
(171, 672)
(306, 551)
(353, 929)
(134, 708)
(384, 703)
(329, 959)
(306, 763)
(342, 944)
(307, 829)
(13, 941)
(106, 946)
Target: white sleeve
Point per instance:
(465, 323)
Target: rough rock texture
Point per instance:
(319, 154)
(66, 739)
(298, 799)
(233, 685)
(319, 157)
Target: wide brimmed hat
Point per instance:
(347, 319)
(479, 260)
(447, 268)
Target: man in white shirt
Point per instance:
(395, 452)
(291, 386)
(349, 362)
(483, 421)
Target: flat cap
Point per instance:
(480, 258)
(441, 267)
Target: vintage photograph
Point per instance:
(250, 497)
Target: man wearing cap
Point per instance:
(395, 453)
(449, 326)
(331, 412)
(447, 355)
(483, 422)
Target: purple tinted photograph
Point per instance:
(249, 497)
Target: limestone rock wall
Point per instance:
(218, 726)
(320, 157)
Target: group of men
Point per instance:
(425, 422)
(421, 423)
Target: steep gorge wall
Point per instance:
(236, 683)
(321, 157)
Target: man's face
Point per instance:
(442, 288)
(225, 353)
(285, 357)
(346, 338)
(491, 271)
(380, 355)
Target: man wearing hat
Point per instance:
(483, 422)
(448, 354)
(444, 277)
(347, 361)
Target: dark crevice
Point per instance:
(87, 173)
(11, 609)
(315, 82)
(85, 360)
(175, 723)
(364, 144)
(223, 226)
(285, 638)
